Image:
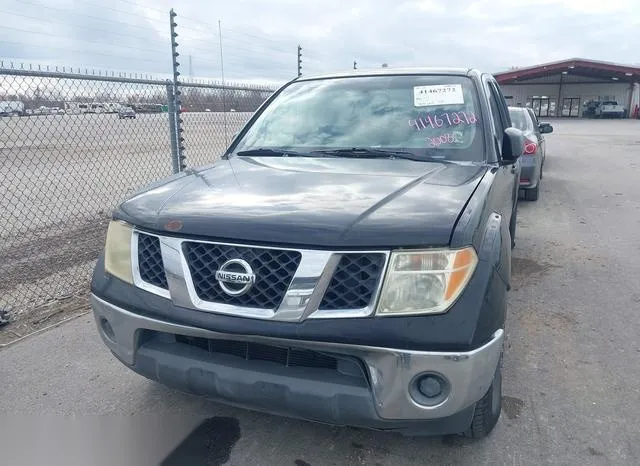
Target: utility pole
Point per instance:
(355, 65)
(190, 68)
(299, 61)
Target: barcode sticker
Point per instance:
(442, 94)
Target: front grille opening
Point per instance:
(354, 281)
(288, 357)
(150, 263)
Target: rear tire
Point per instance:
(488, 409)
(532, 194)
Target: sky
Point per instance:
(260, 37)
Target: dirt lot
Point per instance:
(60, 176)
(572, 378)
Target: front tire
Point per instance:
(488, 409)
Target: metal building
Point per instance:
(573, 88)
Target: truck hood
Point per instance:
(317, 202)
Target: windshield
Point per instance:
(427, 116)
(520, 119)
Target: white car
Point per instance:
(610, 109)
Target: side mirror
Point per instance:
(512, 145)
(545, 128)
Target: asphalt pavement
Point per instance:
(572, 367)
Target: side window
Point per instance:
(502, 103)
(495, 111)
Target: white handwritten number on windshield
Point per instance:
(447, 138)
(450, 118)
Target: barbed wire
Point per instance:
(89, 41)
(76, 13)
(116, 10)
(244, 51)
(105, 54)
(80, 26)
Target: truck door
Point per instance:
(507, 176)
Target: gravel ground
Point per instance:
(572, 378)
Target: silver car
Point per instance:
(126, 112)
(532, 160)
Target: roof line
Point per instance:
(569, 60)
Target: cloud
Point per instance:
(260, 37)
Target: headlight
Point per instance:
(117, 252)
(425, 282)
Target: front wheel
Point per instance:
(488, 409)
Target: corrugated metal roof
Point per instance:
(577, 66)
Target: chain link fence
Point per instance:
(70, 150)
(212, 114)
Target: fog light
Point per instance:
(429, 389)
(430, 386)
(107, 329)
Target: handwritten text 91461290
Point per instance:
(449, 119)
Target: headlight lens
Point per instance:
(117, 252)
(425, 282)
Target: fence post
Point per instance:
(173, 130)
(177, 103)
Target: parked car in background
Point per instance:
(589, 108)
(11, 108)
(609, 109)
(126, 112)
(43, 110)
(533, 157)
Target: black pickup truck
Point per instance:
(346, 260)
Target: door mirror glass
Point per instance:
(545, 128)
(512, 145)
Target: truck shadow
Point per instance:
(237, 436)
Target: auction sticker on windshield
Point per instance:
(441, 94)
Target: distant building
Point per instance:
(572, 88)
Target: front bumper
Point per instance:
(379, 400)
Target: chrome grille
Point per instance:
(150, 261)
(354, 281)
(274, 269)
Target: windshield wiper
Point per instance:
(272, 153)
(368, 152)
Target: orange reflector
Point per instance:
(462, 266)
